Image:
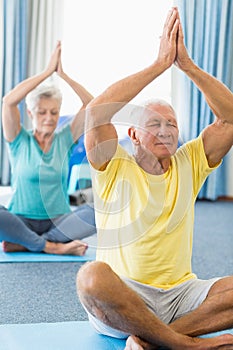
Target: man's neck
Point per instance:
(152, 165)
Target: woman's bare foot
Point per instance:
(13, 247)
(71, 248)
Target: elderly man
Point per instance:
(142, 287)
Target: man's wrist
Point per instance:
(161, 66)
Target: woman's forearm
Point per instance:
(83, 94)
(20, 91)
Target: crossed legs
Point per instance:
(110, 300)
(214, 314)
(17, 236)
(74, 247)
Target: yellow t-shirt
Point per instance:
(145, 222)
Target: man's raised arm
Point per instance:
(101, 136)
(218, 136)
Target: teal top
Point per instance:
(39, 180)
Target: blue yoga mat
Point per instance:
(42, 257)
(60, 336)
(55, 336)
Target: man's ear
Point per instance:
(132, 132)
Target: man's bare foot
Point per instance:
(135, 343)
(71, 248)
(222, 342)
(13, 247)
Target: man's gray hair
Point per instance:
(42, 91)
(158, 102)
(138, 111)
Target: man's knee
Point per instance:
(224, 284)
(92, 276)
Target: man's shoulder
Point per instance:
(191, 146)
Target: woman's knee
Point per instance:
(3, 209)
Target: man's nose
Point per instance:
(163, 131)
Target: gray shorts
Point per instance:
(167, 305)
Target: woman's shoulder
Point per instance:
(23, 134)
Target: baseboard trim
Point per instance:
(225, 198)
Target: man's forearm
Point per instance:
(123, 91)
(218, 96)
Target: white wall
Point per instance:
(106, 40)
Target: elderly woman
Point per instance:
(39, 217)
